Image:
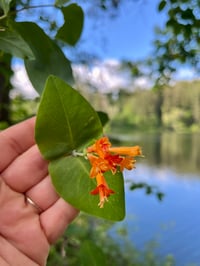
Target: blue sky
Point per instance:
(129, 35)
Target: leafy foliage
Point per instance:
(12, 42)
(49, 58)
(179, 39)
(42, 58)
(70, 32)
(148, 189)
(5, 6)
(180, 109)
(88, 241)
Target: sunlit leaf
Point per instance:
(61, 2)
(5, 6)
(71, 30)
(70, 176)
(67, 122)
(49, 58)
(11, 42)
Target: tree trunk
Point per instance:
(5, 87)
(5, 76)
(158, 107)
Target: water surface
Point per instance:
(172, 164)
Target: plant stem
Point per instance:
(37, 6)
(75, 153)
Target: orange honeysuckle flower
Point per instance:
(113, 161)
(130, 151)
(128, 163)
(100, 147)
(105, 158)
(99, 165)
(102, 189)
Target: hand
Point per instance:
(27, 231)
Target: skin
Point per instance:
(26, 233)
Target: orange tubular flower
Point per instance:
(105, 158)
(102, 189)
(130, 151)
(100, 147)
(113, 161)
(128, 163)
(99, 165)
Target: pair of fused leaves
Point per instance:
(42, 56)
(65, 123)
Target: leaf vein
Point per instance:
(66, 114)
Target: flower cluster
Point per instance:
(103, 157)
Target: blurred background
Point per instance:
(138, 61)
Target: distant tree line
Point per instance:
(180, 109)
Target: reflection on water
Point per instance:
(180, 152)
(173, 164)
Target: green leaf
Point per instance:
(61, 2)
(65, 120)
(103, 117)
(70, 176)
(162, 5)
(91, 254)
(160, 195)
(5, 5)
(11, 42)
(49, 58)
(71, 30)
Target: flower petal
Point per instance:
(130, 151)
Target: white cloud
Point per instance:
(142, 83)
(21, 83)
(185, 73)
(105, 76)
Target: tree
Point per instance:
(17, 40)
(175, 44)
(5, 75)
(179, 41)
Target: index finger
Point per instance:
(15, 140)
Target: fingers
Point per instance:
(15, 140)
(20, 225)
(27, 170)
(43, 194)
(55, 219)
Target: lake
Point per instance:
(172, 165)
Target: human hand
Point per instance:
(27, 231)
